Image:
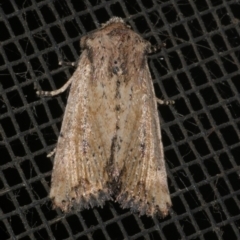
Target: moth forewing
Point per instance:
(143, 182)
(110, 142)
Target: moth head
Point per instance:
(113, 20)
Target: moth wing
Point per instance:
(110, 141)
(79, 178)
(143, 183)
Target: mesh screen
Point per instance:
(199, 69)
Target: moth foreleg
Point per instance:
(156, 48)
(165, 102)
(55, 92)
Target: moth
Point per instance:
(110, 146)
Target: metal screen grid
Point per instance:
(199, 69)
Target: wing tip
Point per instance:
(80, 202)
(143, 207)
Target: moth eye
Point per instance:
(115, 62)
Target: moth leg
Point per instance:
(71, 64)
(55, 92)
(51, 153)
(165, 102)
(155, 48)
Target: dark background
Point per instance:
(198, 68)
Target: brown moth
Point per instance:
(110, 145)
